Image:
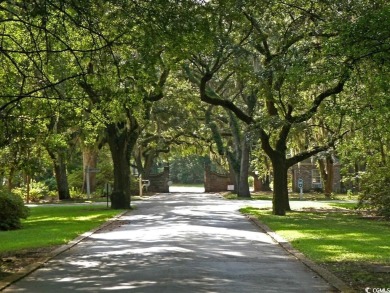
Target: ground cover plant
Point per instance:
(352, 247)
(46, 228)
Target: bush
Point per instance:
(38, 191)
(375, 187)
(75, 193)
(75, 179)
(12, 209)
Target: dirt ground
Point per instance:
(360, 275)
(12, 262)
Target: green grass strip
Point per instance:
(330, 236)
(54, 225)
(347, 244)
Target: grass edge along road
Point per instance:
(54, 225)
(353, 248)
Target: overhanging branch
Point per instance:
(338, 88)
(31, 93)
(219, 102)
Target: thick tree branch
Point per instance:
(283, 135)
(31, 93)
(93, 95)
(338, 88)
(219, 102)
(309, 153)
(159, 92)
(263, 48)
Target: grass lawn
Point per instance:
(267, 195)
(355, 249)
(54, 225)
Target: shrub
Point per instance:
(51, 183)
(75, 193)
(38, 190)
(75, 179)
(375, 187)
(12, 210)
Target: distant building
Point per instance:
(308, 171)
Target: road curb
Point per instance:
(7, 281)
(323, 273)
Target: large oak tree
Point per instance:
(289, 53)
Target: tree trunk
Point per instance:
(119, 148)
(59, 164)
(280, 193)
(148, 165)
(257, 183)
(28, 189)
(90, 157)
(234, 170)
(61, 178)
(322, 169)
(265, 183)
(261, 183)
(330, 173)
(10, 183)
(327, 174)
(243, 186)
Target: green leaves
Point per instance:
(375, 190)
(12, 210)
(367, 37)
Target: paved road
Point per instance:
(176, 243)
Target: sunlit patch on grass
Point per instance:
(342, 241)
(322, 234)
(54, 225)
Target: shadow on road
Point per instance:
(176, 243)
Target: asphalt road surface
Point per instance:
(178, 242)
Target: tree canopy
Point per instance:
(290, 78)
